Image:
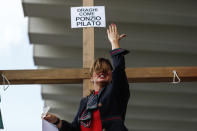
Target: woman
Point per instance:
(105, 107)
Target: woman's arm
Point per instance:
(120, 84)
(116, 51)
(119, 78)
(64, 125)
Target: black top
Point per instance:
(112, 99)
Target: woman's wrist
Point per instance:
(57, 121)
(115, 45)
(59, 125)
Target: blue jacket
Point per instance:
(113, 99)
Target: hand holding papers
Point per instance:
(47, 126)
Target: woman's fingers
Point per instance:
(50, 118)
(47, 117)
(110, 28)
(107, 31)
(122, 36)
(115, 29)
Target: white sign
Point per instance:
(90, 16)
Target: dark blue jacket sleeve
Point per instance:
(74, 126)
(119, 78)
(120, 83)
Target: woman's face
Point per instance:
(102, 77)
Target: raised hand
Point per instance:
(113, 36)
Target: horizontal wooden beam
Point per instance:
(161, 74)
(45, 76)
(76, 76)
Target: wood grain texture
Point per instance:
(88, 50)
(77, 75)
(45, 76)
(161, 74)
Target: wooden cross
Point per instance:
(88, 49)
(81, 75)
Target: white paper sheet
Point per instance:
(47, 126)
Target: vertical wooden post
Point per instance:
(88, 50)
